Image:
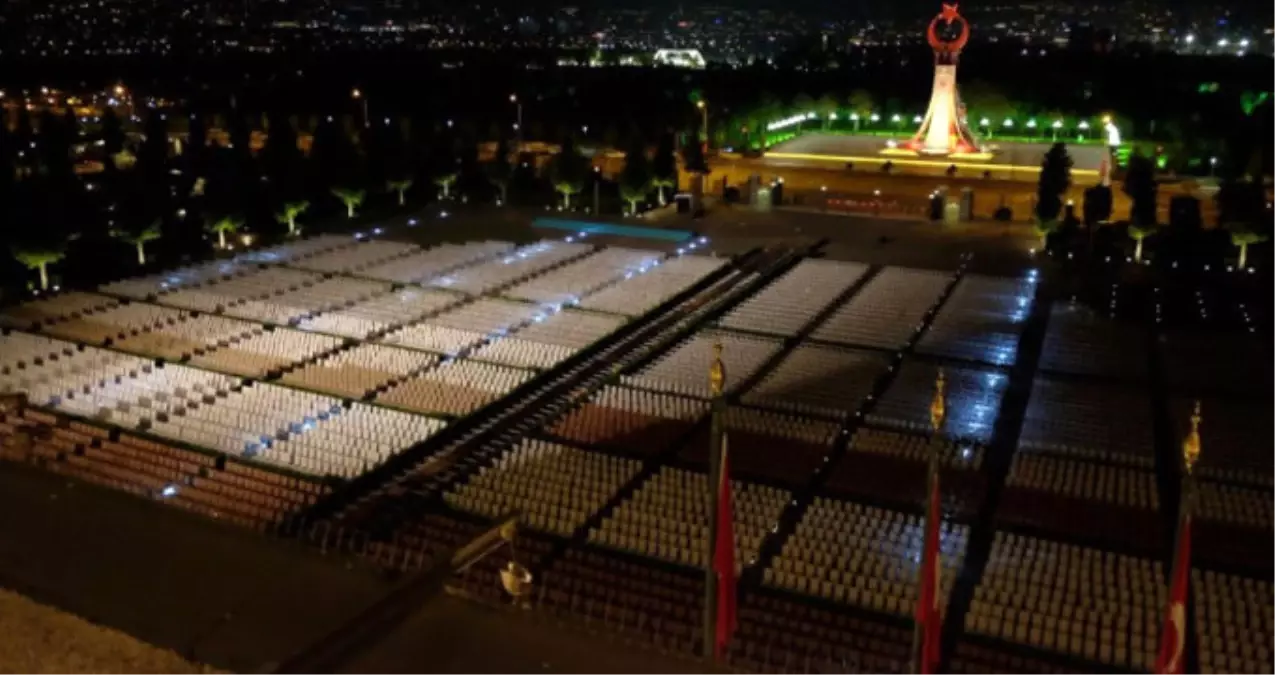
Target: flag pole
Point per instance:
(1170, 656)
(717, 384)
(938, 412)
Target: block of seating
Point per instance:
(784, 634)
(69, 305)
(1217, 361)
(1236, 438)
(455, 388)
(863, 556)
(630, 420)
(515, 266)
(567, 284)
(220, 294)
(973, 400)
(668, 518)
(642, 290)
(295, 304)
(543, 344)
(1103, 423)
(354, 372)
(789, 303)
(142, 288)
(421, 266)
(380, 313)
(466, 325)
(352, 259)
(771, 446)
(114, 323)
(296, 249)
(916, 448)
(1095, 605)
(1233, 623)
(654, 605)
(1084, 341)
(887, 311)
(819, 381)
(901, 482)
(1232, 528)
(556, 487)
(306, 432)
(429, 337)
(258, 354)
(1117, 506)
(981, 320)
(133, 393)
(683, 369)
(184, 337)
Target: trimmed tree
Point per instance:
(568, 171)
(138, 236)
(1055, 180)
(351, 197)
(499, 170)
(291, 211)
(401, 186)
(39, 257)
(635, 179)
(1243, 234)
(1138, 232)
(224, 225)
(445, 181)
(664, 167)
(1140, 185)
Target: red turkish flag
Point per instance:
(1172, 657)
(724, 558)
(928, 612)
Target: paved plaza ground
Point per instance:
(240, 601)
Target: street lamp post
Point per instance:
(513, 98)
(1055, 127)
(985, 125)
(357, 95)
(1031, 124)
(1084, 129)
(1212, 166)
(854, 117)
(703, 109)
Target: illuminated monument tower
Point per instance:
(944, 130)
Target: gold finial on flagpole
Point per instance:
(938, 406)
(1191, 445)
(717, 371)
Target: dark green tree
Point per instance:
(664, 167)
(1140, 185)
(1055, 180)
(569, 171)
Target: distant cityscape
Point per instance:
(718, 35)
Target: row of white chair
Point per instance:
(817, 380)
(668, 517)
(684, 368)
(973, 400)
(513, 267)
(556, 487)
(381, 312)
(455, 388)
(644, 289)
(864, 555)
(1098, 605)
(1089, 421)
(353, 372)
(566, 285)
(887, 311)
(422, 266)
(793, 300)
(1082, 340)
(981, 320)
(366, 253)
